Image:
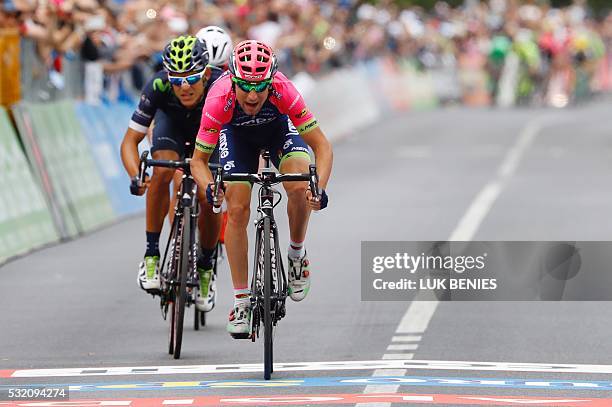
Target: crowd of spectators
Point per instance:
(313, 36)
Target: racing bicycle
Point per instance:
(178, 274)
(269, 280)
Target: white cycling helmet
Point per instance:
(219, 44)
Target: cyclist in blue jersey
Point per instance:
(174, 97)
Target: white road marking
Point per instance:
(382, 388)
(397, 356)
(406, 338)
(513, 158)
(420, 312)
(418, 315)
(404, 346)
(402, 364)
(477, 211)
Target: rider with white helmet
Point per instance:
(219, 45)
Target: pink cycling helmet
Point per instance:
(253, 61)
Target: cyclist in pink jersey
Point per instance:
(249, 108)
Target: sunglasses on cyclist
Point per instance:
(249, 86)
(191, 79)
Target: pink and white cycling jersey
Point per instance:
(222, 108)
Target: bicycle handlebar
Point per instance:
(146, 162)
(137, 182)
(270, 178)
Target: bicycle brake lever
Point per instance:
(218, 183)
(314, 182)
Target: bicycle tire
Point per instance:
(171, 335)
(181, 288)
(268, 334)
(173, 264)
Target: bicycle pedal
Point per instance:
(154, 291)
(241, 336)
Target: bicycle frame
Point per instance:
(186, 198)
(269, 280)
(265, 210)
(181, 276)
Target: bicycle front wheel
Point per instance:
(181, 286)
(268, 334)
(172, 273)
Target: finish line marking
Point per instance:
(313, 366)
(474, 382)
(323, 399)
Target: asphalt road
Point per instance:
(418, 176)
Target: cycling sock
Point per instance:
(296, 250)
(152, 244)
(205, 259)
(241, 296)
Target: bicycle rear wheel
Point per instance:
(181, 286)
(267, 311)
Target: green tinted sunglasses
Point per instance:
(249, 86)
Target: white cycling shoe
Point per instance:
(148, 273)
(239, 324)
(206, 293)
(299, 278)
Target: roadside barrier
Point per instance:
(105, 126)
(25, 220)
(64, 166)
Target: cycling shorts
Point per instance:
(239, 146)
(168, 134)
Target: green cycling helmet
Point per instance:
(185, 54)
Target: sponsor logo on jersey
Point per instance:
(139, 112)
(212, 130)
(204, 147)
(310, 125)
(160, 85)
(223, 150)
(256, 121)
(276, 93)
(228, 104)
(302, 149)
(145, 101)
(297, 98)
(303, 113)
(212, 118)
